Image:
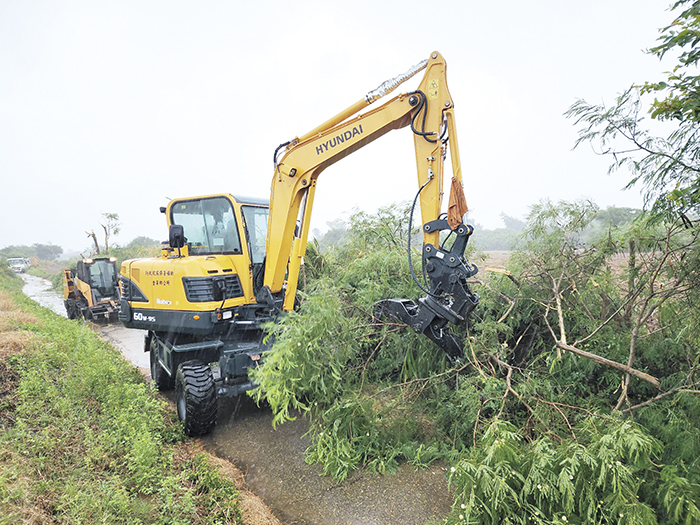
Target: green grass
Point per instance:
(84, 439)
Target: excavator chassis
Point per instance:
(203, 368)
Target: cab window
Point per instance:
(209, 224)
(256, 228)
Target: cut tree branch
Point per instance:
(684, 388)
(614, 364)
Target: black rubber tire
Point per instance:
(70, 309)
(160, 377)
(195, 397)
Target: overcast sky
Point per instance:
(119, 106)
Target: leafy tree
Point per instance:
(668, 168)
(143, 241)
(18, 251)
(337, 235)
(47, 252)
(512, 223)
(110, 225)
(498, 239)
(614, 216)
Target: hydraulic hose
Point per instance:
(410, 227)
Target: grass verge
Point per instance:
(84, 439)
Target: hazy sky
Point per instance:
(118, 106)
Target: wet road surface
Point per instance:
(273, 459)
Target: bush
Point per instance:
(535, 434)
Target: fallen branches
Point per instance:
(614, 364)
(684, 388)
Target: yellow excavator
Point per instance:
(232, 264)
(90, 290)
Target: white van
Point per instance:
(18, 264)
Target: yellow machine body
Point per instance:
(194, 288)
(90, 290)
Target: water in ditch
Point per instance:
(41, 291)
(273, 462)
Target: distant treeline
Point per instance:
(52, 252)
(496, 239)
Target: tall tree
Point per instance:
(47, 252)
(110, 225)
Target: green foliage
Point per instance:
(666, 167)
(595, 479)
(535, 434)
(308, 358)
(90, 442)
(215, 493)
(331, 359)
(681, 100)
(144, 242)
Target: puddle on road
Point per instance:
(40, 290)
(273, 462)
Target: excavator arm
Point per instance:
(429, 111)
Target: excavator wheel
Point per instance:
(195, 394)
(72, 310)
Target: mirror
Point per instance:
(177, 236)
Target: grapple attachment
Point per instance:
(448, 299)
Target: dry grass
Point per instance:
(6, 303)
(12, 342)
(11, 318)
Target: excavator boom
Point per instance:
(429, 111)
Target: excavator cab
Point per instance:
(90, 290)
